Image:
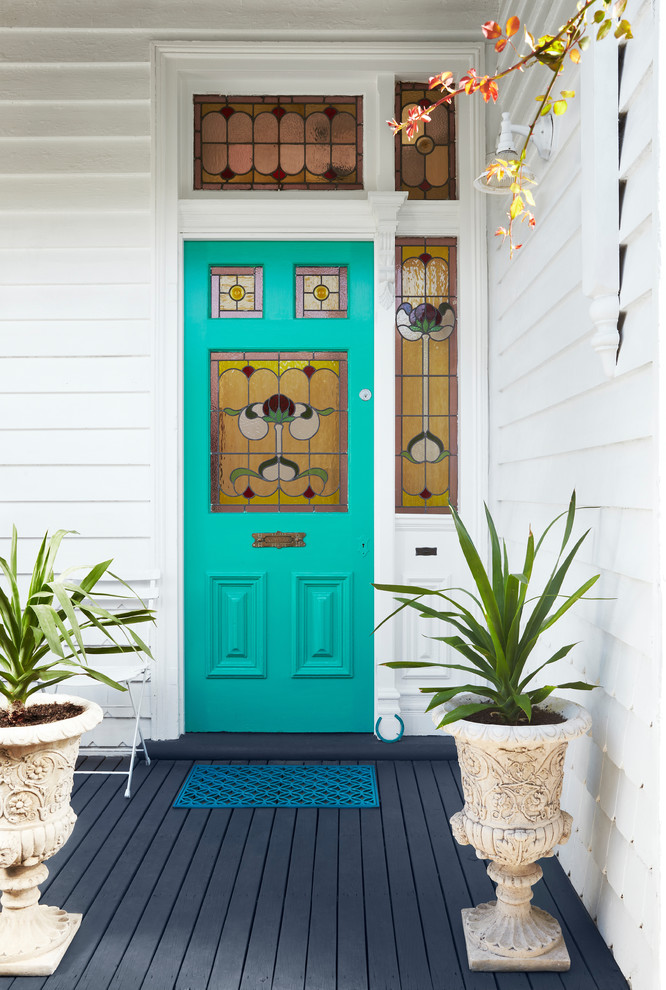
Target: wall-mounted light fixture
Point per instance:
(542, 136)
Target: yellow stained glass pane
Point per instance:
(426, 393)
(276, 442)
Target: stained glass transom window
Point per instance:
(425, 165)
(236, 291)
(278, 436)
(321, 292)
(426, 375)
(278, 142)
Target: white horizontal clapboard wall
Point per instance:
(76, 405)
(559, 422)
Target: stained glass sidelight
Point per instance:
(278, 436)
(236, 291)
(425, 165)
(426, 375)
(278, 142)
(321, 292)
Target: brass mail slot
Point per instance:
(278, 541)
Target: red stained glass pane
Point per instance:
(265, 157)
(291, 158)
(433, 144)
(214, 128)
(426, 375)
(343, 129)
(215, 158)
(292, 128)
(318, 161)
(317, 128)
(240, 158)
(266, 128)
(278, 142)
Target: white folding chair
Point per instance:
(125, 674)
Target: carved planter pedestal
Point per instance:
(512, 783)
(36, 768)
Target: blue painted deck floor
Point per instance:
(287, 898)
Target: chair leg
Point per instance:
(137, 732)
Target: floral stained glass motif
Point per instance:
(321, 292)
(278, 436)
(425, 165)
(278, 142)
(426, 375)
(236, 291)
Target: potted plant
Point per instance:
(41, 643)
(511, 737)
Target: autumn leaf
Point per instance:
(574, 55)
(603, 30)
(529, 38)
(560, 106)
(491, 29)
(470, 82)
(623, 28)
(501, 44)
(489, 89)
(512, 26)
(619, 8)
(443, 79)
(517, 207)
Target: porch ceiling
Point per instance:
(305, 18)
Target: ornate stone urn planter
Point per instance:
(512, 782)
(36, 768)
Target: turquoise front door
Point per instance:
(278, 486)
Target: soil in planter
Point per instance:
(39, 714)
(540, 716)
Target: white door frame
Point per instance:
(375, 213)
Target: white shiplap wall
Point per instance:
(75, 301)
(557, 422)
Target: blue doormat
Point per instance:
(278, 787)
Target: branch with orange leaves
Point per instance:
(549, 50)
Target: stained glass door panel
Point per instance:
(278, 453)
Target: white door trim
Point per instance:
(375, 213)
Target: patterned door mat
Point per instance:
(214, 786)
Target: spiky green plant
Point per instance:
(42, 641)
(498, 646)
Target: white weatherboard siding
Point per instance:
(558, 422)
(76, 404)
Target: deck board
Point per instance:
(287, 899)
